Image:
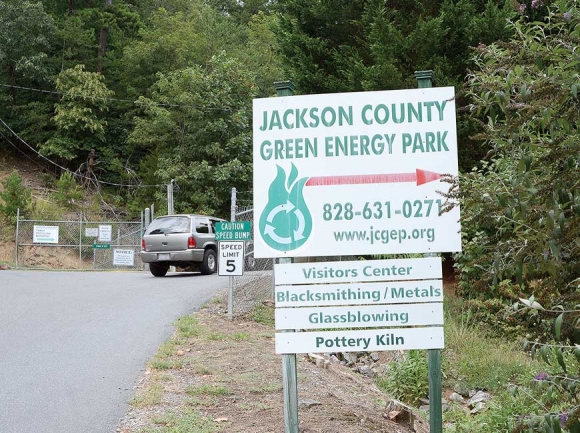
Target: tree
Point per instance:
(15, 195)
(78, 115)
(521, 210)
(25, 30)
(205, 142)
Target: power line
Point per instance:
(159, 104)
(66, 169)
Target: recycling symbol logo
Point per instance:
(285, 222)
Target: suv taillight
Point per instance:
(143, 244)
(191, 243)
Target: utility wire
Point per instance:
(160, 104)
(66, 169)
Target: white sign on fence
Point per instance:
(45, 234)
(123, 257)
(105, 233)
(355, 174)
(91, 232)
(231, 258)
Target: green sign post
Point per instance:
(233, 231)
(425, 80)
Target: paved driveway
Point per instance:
(72, 344)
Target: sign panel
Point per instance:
(360, 316)
(358, 271)
(45, 235)
(355, 174)
(233, 231)
(360, 340)
(400, 292)
(231, 258)
(123, 257)
(91, 232)
(101, 246)
(105, 233)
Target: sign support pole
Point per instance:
(425, 80)
(289, 374)
(230, 278)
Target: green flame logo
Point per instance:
(286, 222)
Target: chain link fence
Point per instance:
(80, 244)
(256, 285)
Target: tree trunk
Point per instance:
(103, 42)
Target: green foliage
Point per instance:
(407, 379)
(560, 381)
(67, 191)
(14, 195)
(521, 209)
(206, 140)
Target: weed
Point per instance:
(263, 314)
(187, 421)
(208, 390)
(150, 396)
(407, 379)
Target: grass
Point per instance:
(150, 396)
(211, 390)
(186, 421)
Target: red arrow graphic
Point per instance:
(420, 176)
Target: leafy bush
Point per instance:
(407, 379)
(14, 196)
(521, 208)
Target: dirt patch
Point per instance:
(231, 375)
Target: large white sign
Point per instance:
(123, 257)
(360, 340)
(231, 258)
(45, 235)
(355, 173)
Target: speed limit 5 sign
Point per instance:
(231, 258)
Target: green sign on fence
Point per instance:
(102, 246)
(233, 231)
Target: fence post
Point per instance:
(231, 278)
(80, 239)
(17, 233)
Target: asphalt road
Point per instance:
(72, 344)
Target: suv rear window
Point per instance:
(162, 226)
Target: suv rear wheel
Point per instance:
(158, 270)
(209, 264)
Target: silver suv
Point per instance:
(185, 241)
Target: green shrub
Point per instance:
(15, 196)
(407, 379)
(67, 191)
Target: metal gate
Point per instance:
(80, 244)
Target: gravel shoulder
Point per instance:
(221, 375)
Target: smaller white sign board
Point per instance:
(91, 232)
(123, 257)
(358, 271)
(360, 340)
(105, 233)
(394, 292)
(231, 258)
(360, 316)
(45, 235)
